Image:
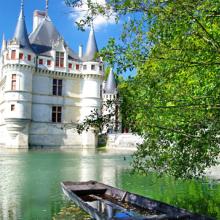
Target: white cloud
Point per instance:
(99, 21)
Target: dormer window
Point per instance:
(21, 56)
(92, 67)
(41, 61)
(13, 54)
(59, 59)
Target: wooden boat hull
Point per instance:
(103, 202)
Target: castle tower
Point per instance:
(19, 63)
(92, 70)
(110, 93)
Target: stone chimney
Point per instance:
(38, 18)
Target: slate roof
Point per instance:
(43, 37)
(110, 86)
(21, 34)
(45, 34)
(91, 48)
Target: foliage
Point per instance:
(97, 120)
(173, 101)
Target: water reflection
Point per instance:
(11, 182)
(30, 183)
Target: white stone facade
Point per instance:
(34, 110)
(111, 104)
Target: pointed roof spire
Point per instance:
(110, 86)
(47, 7)
(4, 43)
(21, 34)
(92, 47)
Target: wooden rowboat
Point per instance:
(104, 202)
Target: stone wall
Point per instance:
(123, 141)
(53, 135)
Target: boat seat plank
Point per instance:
(128, 212)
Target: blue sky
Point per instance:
(61, 17)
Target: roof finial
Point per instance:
(47, 6)
(22, 5)
(4, 43)
(92, 25)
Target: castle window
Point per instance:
(29, 57)
(41, 61)
(13, 54)
(70, 65)
(56, 114)
(77, 66)
(100, 91)
(57, 87)
(21, 56)
(12, 108)
(13, 82)
(84, 67)
(48, 62)
(59, 59)
(92, 67)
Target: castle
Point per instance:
(45, 85)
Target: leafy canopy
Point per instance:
(174, 100)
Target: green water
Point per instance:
(30, 183)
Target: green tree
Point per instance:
(173, 100)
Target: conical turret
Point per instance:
(21, 35)
(110, 86)
(92, 47)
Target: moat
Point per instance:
(30, 183)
